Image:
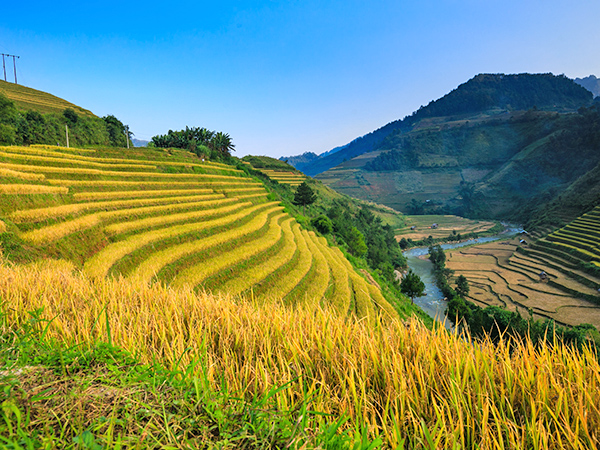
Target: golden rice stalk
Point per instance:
(40, 214)
(152, 265)
(52, 233)
(70, 160)
(31, 189)
(315, 290)
(216, 207)
(284, 285)
(61, 148)
(197, 273)
(2, 227)
(115, 173)
(102, 195)
(137, 184)
(400, 381)
(342, 294)
(21, 175)
(255, 274)
(101, 262)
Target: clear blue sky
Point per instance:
(285, 77)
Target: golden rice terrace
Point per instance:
(161, 216)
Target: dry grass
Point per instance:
(406, 383)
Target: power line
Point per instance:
(14, 57)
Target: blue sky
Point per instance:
(285, 77)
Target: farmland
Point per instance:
(447, 225)
(153, 216)
(549, 276)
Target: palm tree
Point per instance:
(223, 143)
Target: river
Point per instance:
(433, 302)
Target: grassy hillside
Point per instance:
(26, 99)
(152, 215)
(240, 375)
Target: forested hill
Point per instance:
(482, 95)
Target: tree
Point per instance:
(304, 196)
(322, 224)
(222, 143)
(462, 286)
(412, 285)
(356, 242)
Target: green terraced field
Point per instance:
(165, 217)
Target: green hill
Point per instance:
(498, 163)
(484, 96)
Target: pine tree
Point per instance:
(304, 196)
(412, 285)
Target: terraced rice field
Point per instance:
(151, 218)
(285, 177)
(500, 275)
(27, 98)
(447, 225)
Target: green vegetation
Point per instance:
(496, 147)
(36, 125)
(483, 96)
(201, 141)
(412, 285)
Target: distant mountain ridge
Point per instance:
(484, 93)
(519, 147)
(591, 83)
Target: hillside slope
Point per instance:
(26, 98)
(153, 215)
(479, 98)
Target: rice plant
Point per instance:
(99, 264)
(399, 381)
(193, 275)
(21, 175)
(25, 189)
(256, 273)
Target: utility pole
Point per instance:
(127, 134)
(14, 57)
(67, 133)
(15, 66)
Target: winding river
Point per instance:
(433, 302)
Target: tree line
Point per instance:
(203, 142)
(31, 127)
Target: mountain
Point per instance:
(139, 142)
(591, 83)
(484, 96)
(303, 162)
(498, 146)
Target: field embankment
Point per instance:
(409, 385)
